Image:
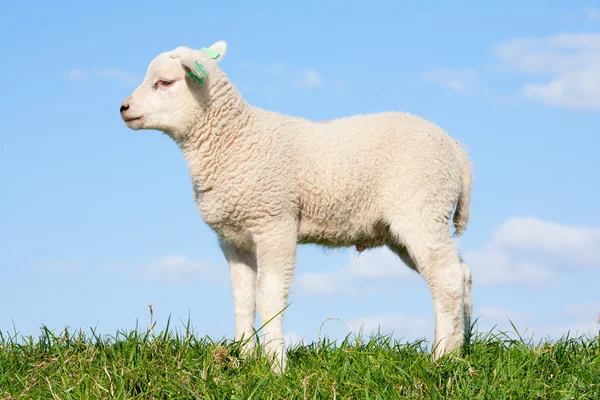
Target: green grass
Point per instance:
(176, 365)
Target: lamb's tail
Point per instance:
(461, 214)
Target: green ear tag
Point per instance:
(194, 77)
(200, 69)
(211, 53)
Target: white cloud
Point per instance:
(311, 78)
(178, 270)
(462, 81)
(124, 77)
(568, 64)
(498, 267)
(528, 251)
(592, 14)
(577, 89)
(562, 70)
(567, 244)
(76, 74)
(362, 270)
(577, 319)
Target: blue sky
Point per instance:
(98, 221)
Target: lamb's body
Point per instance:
(266, 182)
(342, 181)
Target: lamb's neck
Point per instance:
(218, 130)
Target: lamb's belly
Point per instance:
(343, 232)
(338, 213)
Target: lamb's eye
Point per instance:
(163, 82)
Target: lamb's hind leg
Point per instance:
(468, 301)
(436, 259)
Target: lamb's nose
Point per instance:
(124, 107)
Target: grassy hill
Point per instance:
(173, 365)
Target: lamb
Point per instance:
(266, 182)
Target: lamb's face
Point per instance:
(167, 99)
(158, 102)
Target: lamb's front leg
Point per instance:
(242, 266)
(276, 257)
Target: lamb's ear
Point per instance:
(190, 59)
(185, 55)
(217, 50)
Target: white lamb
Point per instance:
(265, 182)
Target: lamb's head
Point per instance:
(170, 97)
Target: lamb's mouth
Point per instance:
(127, 120)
